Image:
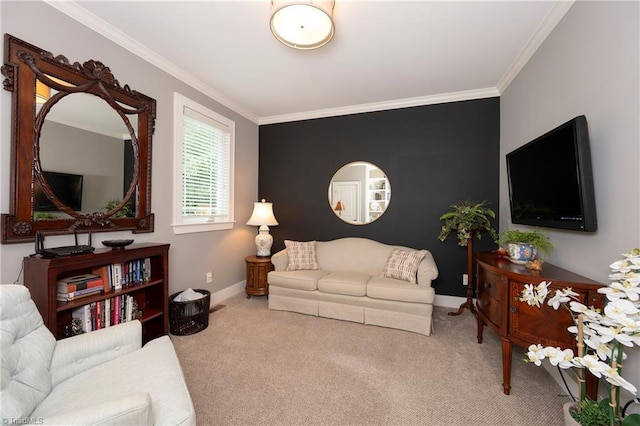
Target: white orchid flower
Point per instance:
(613, 377)
(562, 296)
(542, 290)
(622, 289)
(619, 309)
(563, 359)
(602, 350)
(590, 314)
(536, 354)
(610, 333)
(623, 265)
(528, 295)
(595, 366)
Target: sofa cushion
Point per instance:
(348, 283)
(401, 291)
(403, 264)
(301, 280)
(301, 255)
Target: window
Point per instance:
(203, 164)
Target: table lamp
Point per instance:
(263, 217)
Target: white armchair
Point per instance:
(104, 377)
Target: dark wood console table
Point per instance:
(499, 285)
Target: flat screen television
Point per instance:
(551, 180)
(68, 188)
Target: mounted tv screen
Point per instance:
(67, 187)
(551, 180)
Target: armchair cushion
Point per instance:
(27, 348)
(85, 351)
(154, 369)
(132, 410)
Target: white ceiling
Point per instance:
(385, 54)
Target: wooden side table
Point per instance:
(257, 270)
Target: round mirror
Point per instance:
(86, 157)
(359, 193)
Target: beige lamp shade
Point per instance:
(263, 217)
(302, 24)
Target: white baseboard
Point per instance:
(449, 301)
(226, 293)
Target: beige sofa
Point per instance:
(352, 283)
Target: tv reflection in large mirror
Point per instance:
(67, 186)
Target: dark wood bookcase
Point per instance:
(41, 276)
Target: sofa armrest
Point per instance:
(79, 353)
(133, 409)
(427, 270)
(280, 260)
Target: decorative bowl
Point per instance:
(520, 253)
(117, 244)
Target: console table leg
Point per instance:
(480, 329)
(507, 347)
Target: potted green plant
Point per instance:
(523, 246)
(468, 218)
(601, 341)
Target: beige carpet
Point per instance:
(253, 366)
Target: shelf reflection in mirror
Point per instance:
(359, 193)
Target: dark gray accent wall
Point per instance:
(434, 156)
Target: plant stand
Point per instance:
(468, 304)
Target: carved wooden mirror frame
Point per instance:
(23, 65)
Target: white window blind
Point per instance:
(206, 167)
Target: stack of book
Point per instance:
(72, 288)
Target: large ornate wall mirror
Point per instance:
(81, 147)
(359, 193)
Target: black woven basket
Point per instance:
(189, 317)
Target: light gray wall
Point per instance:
(588, 65)
(99, 158)
(191, 255)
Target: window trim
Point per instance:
(180, 227)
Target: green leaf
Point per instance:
(631, 420)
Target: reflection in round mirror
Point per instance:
(86, 157)
(359, 193)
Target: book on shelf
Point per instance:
(67, 296)
(105, 313)
(78, 282)
(117, 276)
(80, 285)
(84, 314)
(103, 272)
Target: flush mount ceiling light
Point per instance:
(302, 24)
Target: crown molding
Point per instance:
(88, 19)
(84, 17)
(466, 95)
(557, 12)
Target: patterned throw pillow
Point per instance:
(403, 264)
(302, 255)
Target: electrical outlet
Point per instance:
(209, 277)
(465, 279)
